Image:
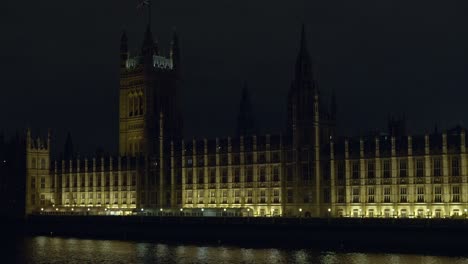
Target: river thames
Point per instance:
(42, 249)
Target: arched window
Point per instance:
(130, 148)
(141, 103)
(130, 105)
(33, 163)
(136, 105)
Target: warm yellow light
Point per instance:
(56, 209)
(203, 209)
(161, 209)
(181, 209)
(224, 209)
(300, 209)
(42, 209)
(329, 210)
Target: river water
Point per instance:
(41, 249)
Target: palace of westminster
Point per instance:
(306, 171)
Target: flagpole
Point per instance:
(149, 13)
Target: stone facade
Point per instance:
(306, 171)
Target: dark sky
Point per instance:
(59, 61)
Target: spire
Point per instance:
(245, 119)
(175, 52)
(123, 50)
(68, 148)
(148, 42)
(303, 71)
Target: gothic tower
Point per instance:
(310, 125)
(149, 84)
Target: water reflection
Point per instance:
(70, 250)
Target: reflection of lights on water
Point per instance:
(359, 258)
(161, 250)
(202, 253)
(300, 256)
(247, 255)
(273, 255)
(328, 258)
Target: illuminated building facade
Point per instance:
(306, 171)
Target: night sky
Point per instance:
(59, 62)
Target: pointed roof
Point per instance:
(148, 42)
(303, 71)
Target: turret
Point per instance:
(175, 54)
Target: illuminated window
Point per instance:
(276, 174)
(356, 192)
(236, 175)
(341, 195)
(276, 196)
(249, 196)
(386, 169)
(225, 195)
(370, 194)
(437, 194)
(262, 176)
(420, 194)
(437, 167)
(419, 168)
(189, 197)
(403, 168)
(249, 176)
(236, 196)
(370, 169)
(201, 195)
(262, 198)
(455, 166)
(355, 170)
(403, 195)
(43, 182)
(387, 194)
(455, 194)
